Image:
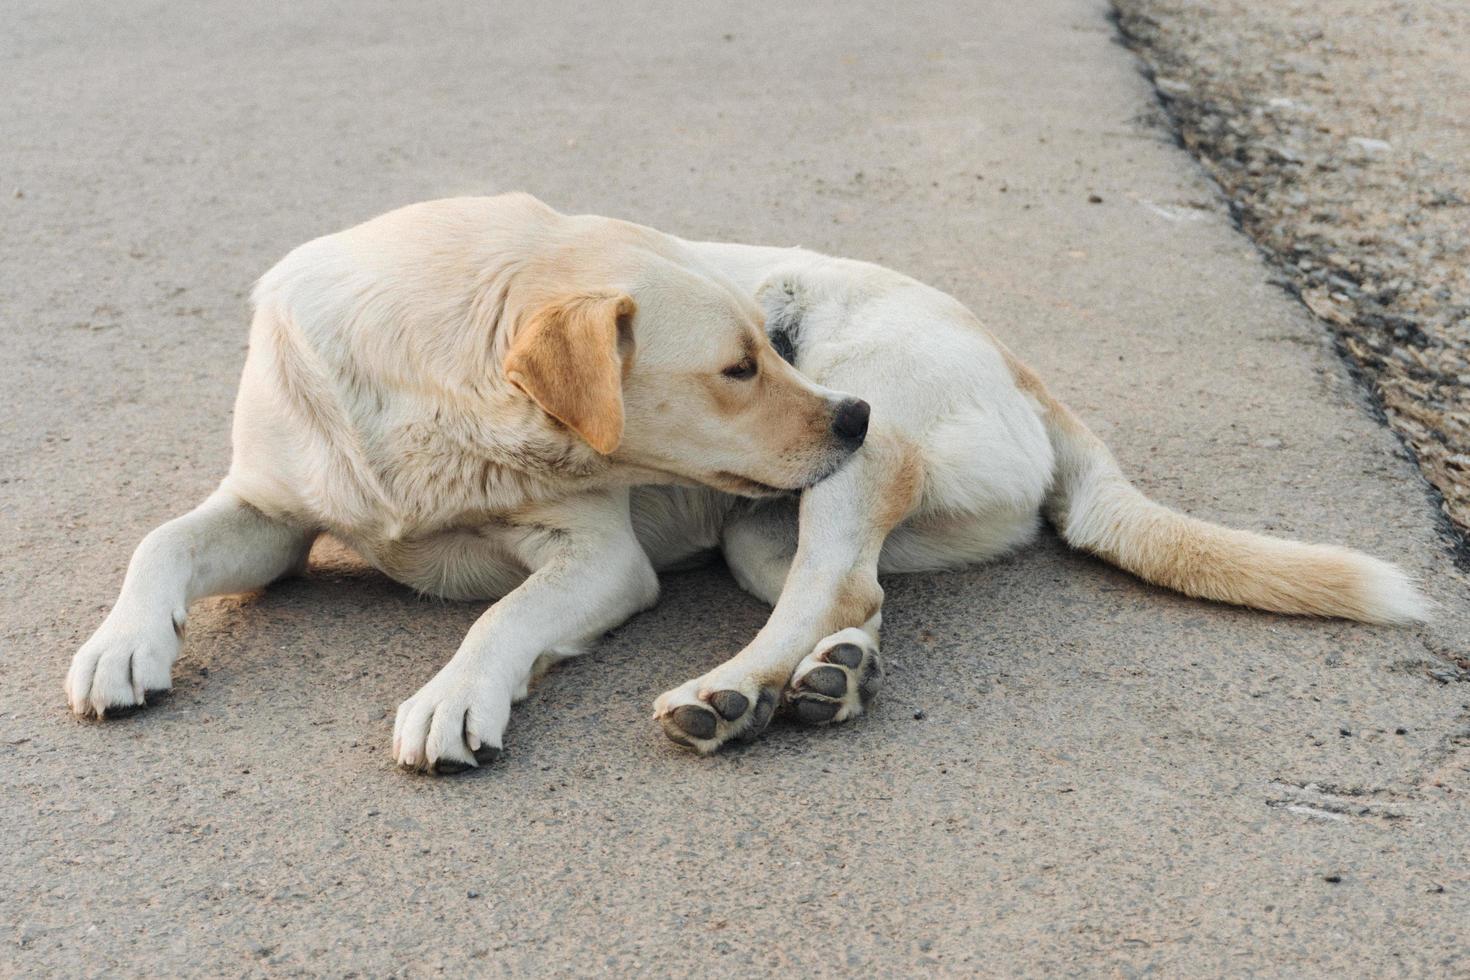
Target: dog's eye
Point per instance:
(742, 371)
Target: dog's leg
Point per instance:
(832, 586)
(588, 575)
(222, 546)
(759, 545)
(842, 674)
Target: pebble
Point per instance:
(919, 715)
(1371, 146)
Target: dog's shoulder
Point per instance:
(374, 358)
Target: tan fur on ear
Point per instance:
(568, 356)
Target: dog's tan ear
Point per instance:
(571, 356)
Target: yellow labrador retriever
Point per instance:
(489, 399)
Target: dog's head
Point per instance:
(667, 368)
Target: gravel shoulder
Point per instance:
(1340, 135)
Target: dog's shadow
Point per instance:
(348, 631)
(344, 638)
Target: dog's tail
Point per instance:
(1095, 508)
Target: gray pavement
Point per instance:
(1105, 778)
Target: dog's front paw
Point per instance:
(126, 660)
(836, 680)
(705, 713)
(452, 724)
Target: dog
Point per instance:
(489, 399)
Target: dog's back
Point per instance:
(999, 451)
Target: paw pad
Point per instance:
(695, 721)
(714, 719)
(730, 704)
(836, 681)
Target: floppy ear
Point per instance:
(570, 356)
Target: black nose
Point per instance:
(851, 421)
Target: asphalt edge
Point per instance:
(1454, 541)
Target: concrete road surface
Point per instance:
(1068, 771)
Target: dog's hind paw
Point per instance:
(835, 682)
(704, 714)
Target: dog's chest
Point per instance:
(449, 524)
(437, 476)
